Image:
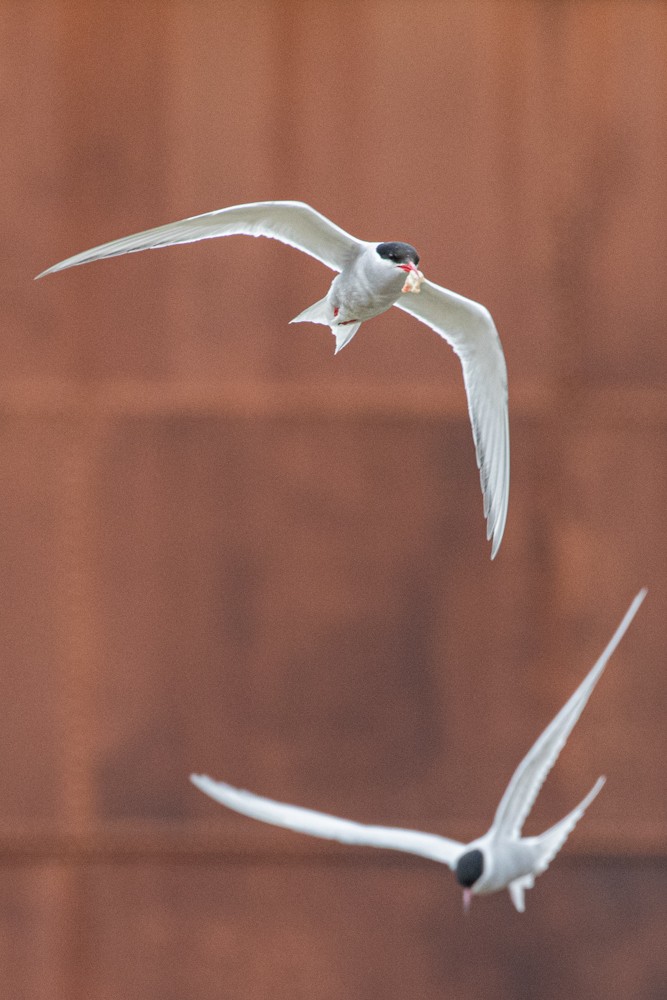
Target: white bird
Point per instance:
(501, 858)
(373, 277)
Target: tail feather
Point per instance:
(517, 889)
(344, 334)
(319, 312)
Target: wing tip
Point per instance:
(43, 274)
(199, 780)
(496, 529)
(496, 499)
(598, 786)
(62, 265)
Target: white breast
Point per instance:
(366, 287)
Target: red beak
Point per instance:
(467, 899)
(407, 267)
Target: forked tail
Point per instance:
(321, 312)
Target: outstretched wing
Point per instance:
(291, 222)
(529, 776)
(469, 329)
(316, 824)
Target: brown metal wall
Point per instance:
(224, 550)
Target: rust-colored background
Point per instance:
(225, 550)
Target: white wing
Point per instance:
(469, 329)
(291, 222)
(316, 824)
(529, 776)
(548, 844)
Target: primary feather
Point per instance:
(469, 329)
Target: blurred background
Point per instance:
(226, 551)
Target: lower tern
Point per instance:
(372, 277)
(501, 858)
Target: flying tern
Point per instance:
(372, 277)
(501, 858)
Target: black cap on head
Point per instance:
(399, 253)
(469, 868)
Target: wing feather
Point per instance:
(316, 824)
(291, 222)
(468, 327)
(531, 773)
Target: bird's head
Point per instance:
(400, 255)
(405, 258)
(469, 869)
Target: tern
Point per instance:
(372, 277)
(500, 859)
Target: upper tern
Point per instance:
(501, 858)
(372, 277)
